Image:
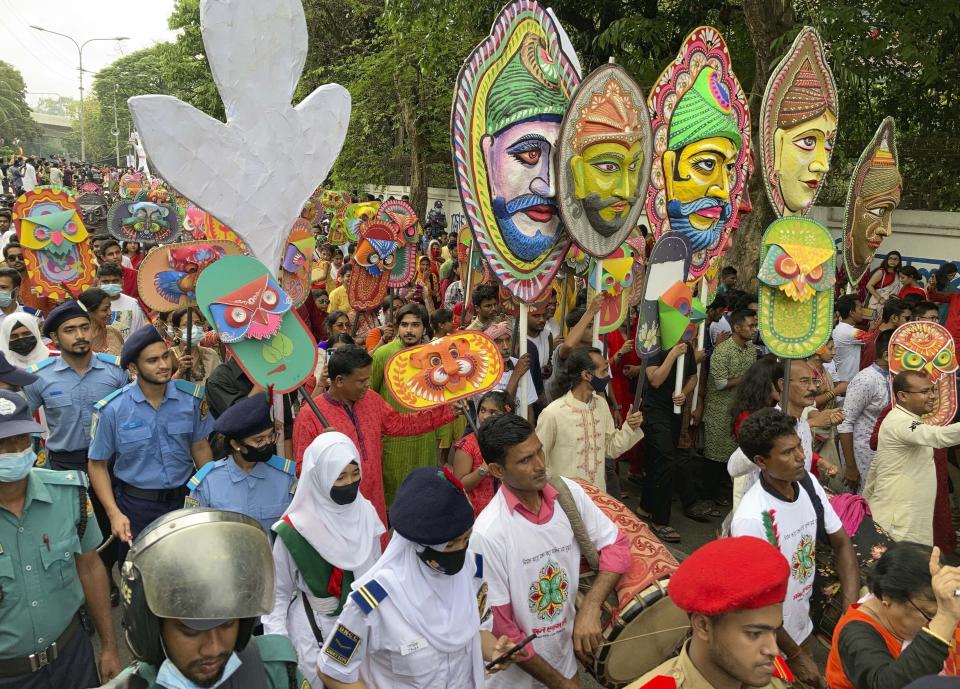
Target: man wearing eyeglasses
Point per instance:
(902, 484)
(252, 479)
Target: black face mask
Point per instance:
(344, 495)
(444, 562)
(258, 454)
(23, 346)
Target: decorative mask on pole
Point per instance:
(616, 284)
(929, 348)
(798, 126)
(167, 277)
(668, 265)
(701, 148)
(873, 195)
(510, 98)
(143, 220)
(604, 161)
(297, 263)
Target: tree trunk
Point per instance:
(409, 100)
(766, 20)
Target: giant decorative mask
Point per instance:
(167, 276)
(615, 281)
(604, 160)
(373, 260)
(873, 195)
(55, 243)
(798, 126)
(334, 204)
(200, 225)
(797, 275)
(130, 185)
(355, 215)
(929, 348)
(255, 318)
(701, 148)
(402, 220)
(445, 370)
(93, 208)
(142, 220)
(510, 98)
(680, 313)
(668, 264)
(297, 263)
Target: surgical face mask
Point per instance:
(112, 290)
(170, 676)
(447, 562)
(196, 332)
(599, 384)
(23, 346)
(6, 298)
(258, 454)
(344, 495)
(16, 465)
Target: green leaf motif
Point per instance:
(276, 348)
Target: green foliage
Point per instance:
(15, 120)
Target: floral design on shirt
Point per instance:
(548, 594)
(802, 562)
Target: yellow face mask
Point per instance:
(611, 171)
(699, 170)
(802, 158)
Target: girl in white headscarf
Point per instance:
(328, 537)
(24, 347)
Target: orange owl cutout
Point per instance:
(445, 370)
(928, 347)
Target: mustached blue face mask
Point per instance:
(16, 465)
(170, 676)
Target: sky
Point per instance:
(48, 63)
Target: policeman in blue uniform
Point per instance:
(48, 567)
(155, 429)
(252, 479)
(70, 385)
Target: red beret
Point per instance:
(741, 573)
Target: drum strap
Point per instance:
(569, 507)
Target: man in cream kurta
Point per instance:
(901, 487)
(577, 430)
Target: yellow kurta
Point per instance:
(577, 437)
(902, 484)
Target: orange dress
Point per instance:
(836, 677)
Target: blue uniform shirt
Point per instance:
(68, 398)
(264, 494)
(151, 446)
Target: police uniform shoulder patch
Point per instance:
(108, 399)
(201, 474)
(369, 596)
(108, 358)
(194, 389)
(287, 466)
(41, 365)
(342, 645)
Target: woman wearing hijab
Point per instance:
(329, 536)
(414, 620)
(20, 340)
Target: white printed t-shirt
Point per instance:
(126, 314)
(792, 527)
(535, 568)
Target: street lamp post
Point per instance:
(116, 130)
(80, 47)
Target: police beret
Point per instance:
(245, 417)
(137, 341)
(701, 584)
(431, 507)
(64, 312)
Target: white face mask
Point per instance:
(170, 676)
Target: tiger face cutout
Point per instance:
(928, 347)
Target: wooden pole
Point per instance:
(701, 335)
(521, 344)
(597, 288)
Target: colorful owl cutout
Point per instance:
(297, 263)
(509, 101)
(255, 318)
(142, 220)
(667, 265)
(167, 276)
(797, 275)
(355, 215)
(54, 239)
(698, 117)
(616, 284)
(448, 369)
(928, 347)
(373, 260)
(680, 313)
(402, 219)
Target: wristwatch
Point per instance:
(483, 471)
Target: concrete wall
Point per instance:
(926, 239)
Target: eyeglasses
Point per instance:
(928, 618)
(926, 391)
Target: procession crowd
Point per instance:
(411, 548)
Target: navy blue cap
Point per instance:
(137, 341)
(431, 507)
(64, 312)
(15, 416)
(245, 417)
(11, 375)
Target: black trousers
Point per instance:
(74, 668)
(665, 466)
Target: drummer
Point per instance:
(734, 619)
(532, 560)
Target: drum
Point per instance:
(641, 625)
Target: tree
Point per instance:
(15, 120)
(59, 106)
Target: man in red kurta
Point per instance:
(351, 408)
